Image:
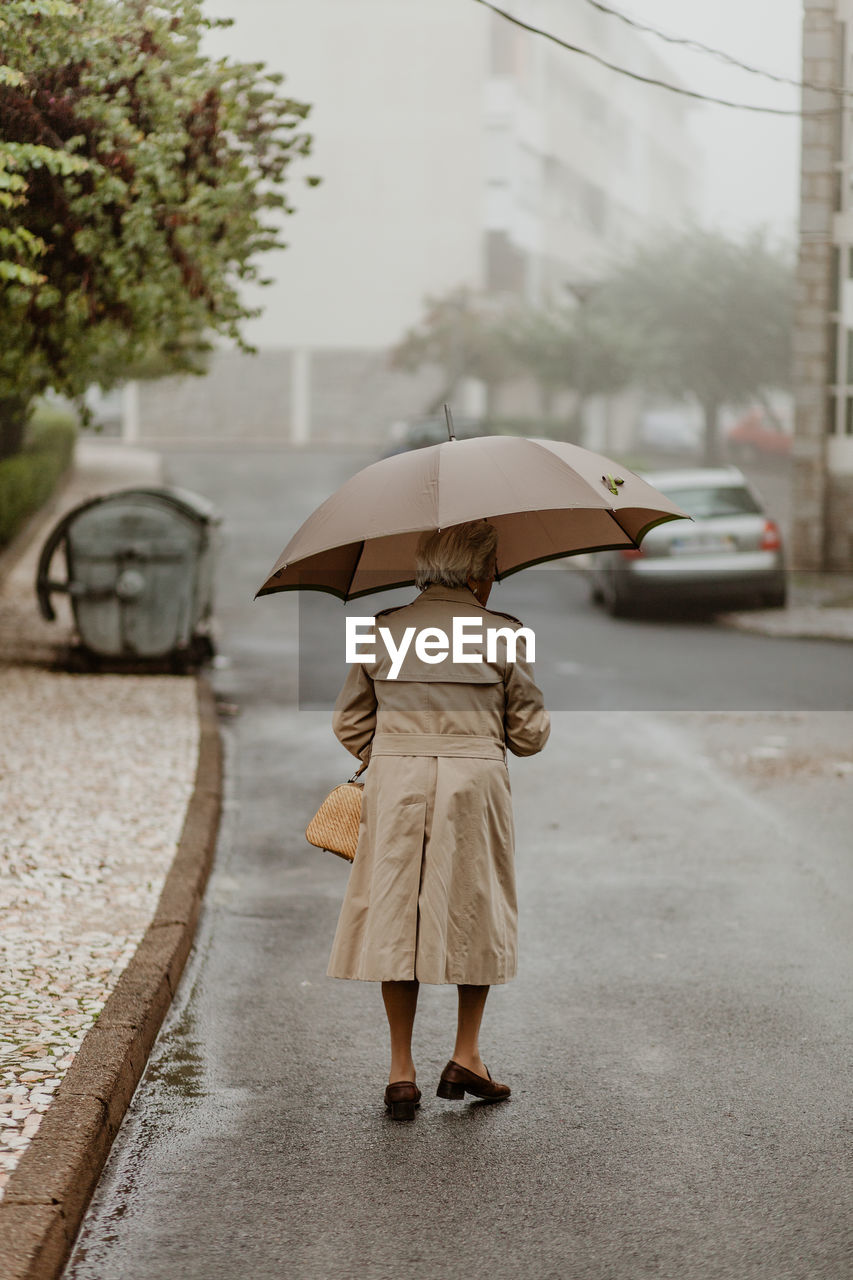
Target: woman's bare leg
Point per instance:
(472, 1002)
(401, 1001)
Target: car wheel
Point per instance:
(777, 599)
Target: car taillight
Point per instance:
(771, 539)
(630, 553)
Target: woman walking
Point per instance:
(431, 896)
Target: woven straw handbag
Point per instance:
(335, 824)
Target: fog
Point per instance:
(750, 162)
(459, 154)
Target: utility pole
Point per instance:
(822, 531)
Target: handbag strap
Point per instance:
(361, 768)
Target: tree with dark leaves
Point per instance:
(140, 181)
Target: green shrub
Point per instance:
(29, 478)
(46, 419)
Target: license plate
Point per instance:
(703, 544)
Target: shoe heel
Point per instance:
(402, 1110)
(452, 1092)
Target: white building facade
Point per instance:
(454, 150)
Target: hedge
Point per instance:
(29, 478)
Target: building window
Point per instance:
(837, 269)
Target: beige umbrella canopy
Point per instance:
(546, 499)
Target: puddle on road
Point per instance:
(178, 1066)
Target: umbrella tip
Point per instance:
(448, 417)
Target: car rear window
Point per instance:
(707, 501)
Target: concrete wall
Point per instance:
(283, 397)
(812, 336)
(839, 522)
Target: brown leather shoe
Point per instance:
(456, 1081)
(401, 1099)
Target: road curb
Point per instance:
(49, 1191)
(791, 629)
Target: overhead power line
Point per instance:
(636, 75)
(698, 47)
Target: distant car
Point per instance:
(730, 554)
(753, 437)
(426, 431)
(669, 431)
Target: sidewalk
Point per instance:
(820, 605)
(96, 772)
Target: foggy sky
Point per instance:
(751, 163)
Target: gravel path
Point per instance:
(95, 775)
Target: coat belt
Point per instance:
(438, 744)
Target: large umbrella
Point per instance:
(546, 499)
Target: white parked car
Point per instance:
(729, 555)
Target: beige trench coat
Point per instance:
(431, 893)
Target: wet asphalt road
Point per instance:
(678, 1038)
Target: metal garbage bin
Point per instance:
(139, 566)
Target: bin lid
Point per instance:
(192, 504)
(198, 508)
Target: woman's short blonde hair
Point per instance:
(451, 556)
